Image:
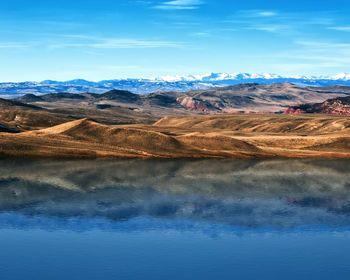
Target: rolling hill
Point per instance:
(241, 98)
(32, 112)
(219, 136)
(6, 103)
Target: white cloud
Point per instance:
(184, 2)
(285, 23)
(340, 28)
(167, 7)
(267, 14)
(112, 43)
(265, 28)
(179, 5)
(15, 45)
(276, 28)
(316, 45)
(256, 13)
(201, 34)
(132, 43)
(316, 55)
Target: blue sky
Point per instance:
(112, 39)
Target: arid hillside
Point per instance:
(172, 124)
(334, 106)
(242, 98)
(18, 116)
(240, 124)
(265, 135)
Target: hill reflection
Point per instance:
(241, 193)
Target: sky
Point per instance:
(113, 39)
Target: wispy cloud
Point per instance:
(133, 43)
(328, 46)
(201, 34)
(340, 28)
(256, 13)
(179, 5)
(16, 45)
(276, 28)
(285, 23)
(267, 14)
(315, 56)
(90, 43)
(85, 41)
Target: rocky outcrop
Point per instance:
(196, 104)
(335, 106)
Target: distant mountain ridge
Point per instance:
(242, 98)
(215, 77)
(165, 83)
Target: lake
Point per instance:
(175, 219)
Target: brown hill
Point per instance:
(18, 116)
(232, 99)
(131, 138)
(341, 144)
(139, 141)
(260, 123)
(202, 136)
(23, 120)
(23, 117)
(5, 103)
(27, 98)
(86, 99)
(255, 97)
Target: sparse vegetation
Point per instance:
(235, 135)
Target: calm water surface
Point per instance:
(175, 219)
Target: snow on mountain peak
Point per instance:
(211, 77)
(214, 77)
(167, 83)
(341, 76)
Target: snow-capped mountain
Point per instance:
(214, 77)
(341, 76)
(165, 83)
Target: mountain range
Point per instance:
(165, 83)
(242, 98)
(121, 107)
(168, 124)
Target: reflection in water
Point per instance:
(248, 194)
(174, 219)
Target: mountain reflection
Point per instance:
(243, 193)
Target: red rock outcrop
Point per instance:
(335, 106)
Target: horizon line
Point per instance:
(198, 77)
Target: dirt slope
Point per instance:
(203, 136)
(262, 123)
